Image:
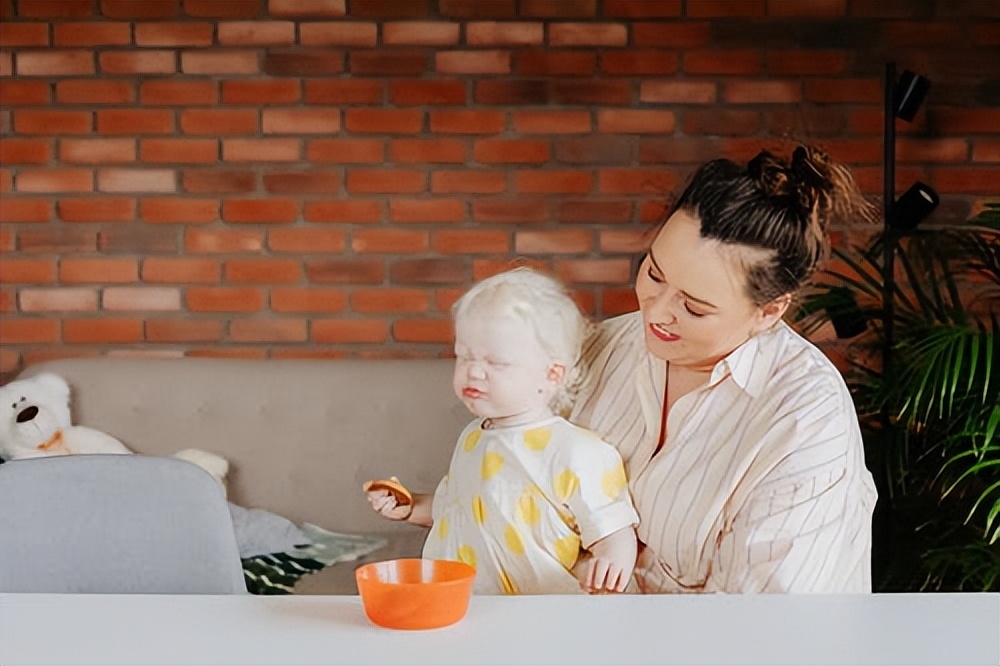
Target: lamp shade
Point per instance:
(910, 209)
(909, 94)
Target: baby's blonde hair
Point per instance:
(545, 306)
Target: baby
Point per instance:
(534, 503)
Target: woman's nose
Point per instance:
(661, 305)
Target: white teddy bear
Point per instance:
(35, 422)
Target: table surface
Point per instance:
(912, 629)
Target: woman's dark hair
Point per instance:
(784, 209)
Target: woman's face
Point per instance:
(693, 296)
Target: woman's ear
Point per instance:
(770, 313)
(556, 373)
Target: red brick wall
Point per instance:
(316, 178)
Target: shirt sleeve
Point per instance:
(805, 526)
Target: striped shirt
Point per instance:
(761, 484)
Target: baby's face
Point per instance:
(501, 370)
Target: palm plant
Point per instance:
(932, 418)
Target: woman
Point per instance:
(739, 437)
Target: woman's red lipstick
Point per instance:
(663, 335)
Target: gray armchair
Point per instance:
(115, 524)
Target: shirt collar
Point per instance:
(748, 364)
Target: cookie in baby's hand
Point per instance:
(394, 487)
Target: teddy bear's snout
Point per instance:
(28, 414)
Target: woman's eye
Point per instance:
(691, 312)
(653, 276)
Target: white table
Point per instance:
(911, 629)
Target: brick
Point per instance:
(478, 9)
(178, 93)
(511, 151)
(352, 91)
(54, 63)
(54, 180)
(389, 241)
(222, 9)
(145, 62)
(986, 151)
(173, 34)
(218, 182)
(468, 181)
(385, 181)
(723, 62)
(639, 10)
(437, 211)
(135, 121)
(618, 301)
(349, 330)
(25, 210)
(96, 209)
(678, 92)
(587, 34)
(6, 63)
(590, 210)
(591, 92)
(505, 33)
(28, 331)
(330, 33)
(261, 150)
(553, 182)
(140, 240)
(61, 240)
(423, 330)
(594, 271)
(220, 62)
(891, 9)
(136, 180)
(313, 181)
(317, 62)
(24, 93)
(685, 34)
(639, 62)
(472, 62)
(312, 352)
(628, 121)
(429, 271)
(294, 299)
(25, 151)
(98, 270)
(10, 362)
(389, 300)
(628, 241)
(183, 330)
(518, 210)
(761, 92)
(725, 8)
(945, 121)
(267, 211)
(227, 352)
(13, 35)
(471, 241)
(555, 63)
(812, 9)
(423, 33)
(390, 9)
(52, 122)
(297, 8)
(428, 151)
(256, 33)
(224, 299)
(932, 150)
(637, 181)
(254, 92)
(179, 270)
(305, 241)
(97, 151)
(959, 180)
(722, 121)
(183, 211)
(222, 241)
(832, 91)
(179, 151)
(419, 93)
(94, 92)
(149, 9)
(466, 122)
(388, 62)
(562, 241)
(558, 8)
(301, 121)
(261, 271)
(218, 121)
(27, 271)
(811, 121)
(383, 121)
(345, 271)
(484, 268)
(800, 61)
(552, 122)
(594, 149)
(682, 150)
(101, 331)
(139, 299)
(352, 211)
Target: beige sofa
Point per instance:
(301, 436)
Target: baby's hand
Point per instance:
(389, 498)
(600, 575)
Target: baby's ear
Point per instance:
(556, 373)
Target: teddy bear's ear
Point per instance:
(53, 385)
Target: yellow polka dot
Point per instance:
(513, 539)
(442, 528)
(478, 509)
(565, 484)
(467, 554)
(507, 583)
(613, 482)
(472, 439)
(567, 550)
(492, 462)
(537, 439)
(527, 508)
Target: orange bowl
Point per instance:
(415, 593)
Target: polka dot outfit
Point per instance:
(519, 503)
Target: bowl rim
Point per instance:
(361, 573)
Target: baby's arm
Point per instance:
(417, 513)
(610, 563)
